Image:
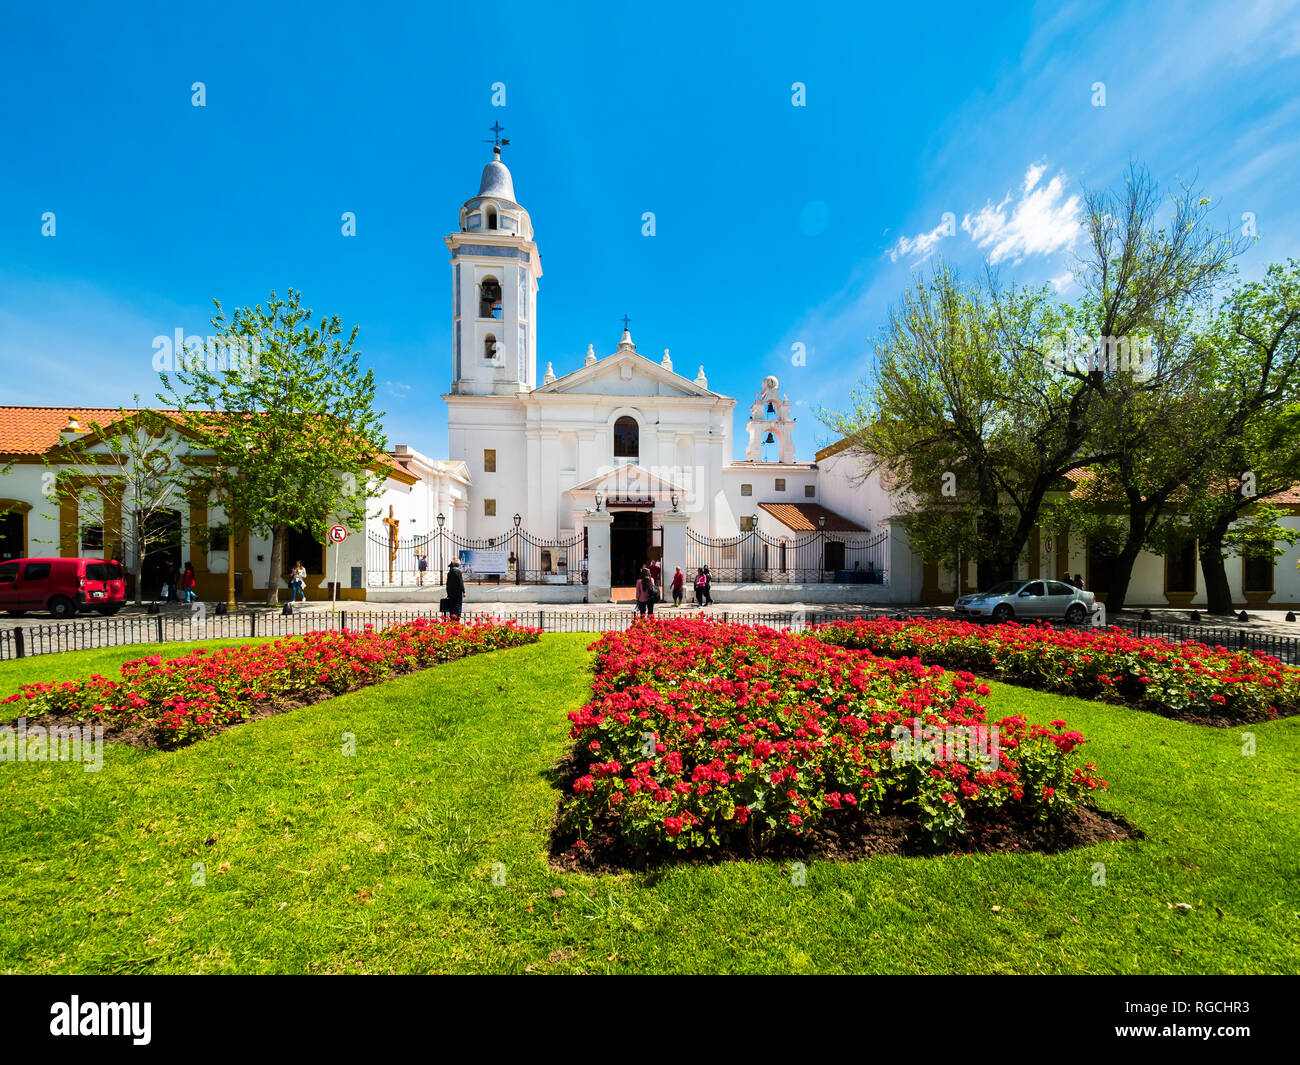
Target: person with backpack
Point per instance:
(679, 583)
(646, 593)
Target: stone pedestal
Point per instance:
(598, 523)
(674, 525)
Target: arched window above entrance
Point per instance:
(627, 438)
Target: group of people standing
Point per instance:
(647, 588)
(177, 587)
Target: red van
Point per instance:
(62, 586)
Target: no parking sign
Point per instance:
(337, 535)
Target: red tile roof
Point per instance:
(802, 517)
(35, 430)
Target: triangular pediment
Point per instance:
(625, 374)
(627, 479)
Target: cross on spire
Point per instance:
(497, 140)
(626, 319)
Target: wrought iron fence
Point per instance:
(514, 557)
(28, 640)
(20, 641)
(816, 558)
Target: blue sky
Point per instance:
(775, 224)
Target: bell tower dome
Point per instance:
(495, 267)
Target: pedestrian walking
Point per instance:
(455, 590)
(298, 582)
(708, 587)
(654, 575)
(1078, 580)
(679, 583)
(701, 583)
(423, 565)
(188, 581)
(646, 593)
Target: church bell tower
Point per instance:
(770, 423)
(495, 268)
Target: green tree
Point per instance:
(1146, 279)
(289, 417)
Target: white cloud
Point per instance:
(1061, 282)
(397, 389)
(1041, 222)
(923, 244)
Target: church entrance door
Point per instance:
(629, 546)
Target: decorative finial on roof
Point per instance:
(701, 380)
(625, 342)
(591, 355)
(498, 142)
(73, 425)
(667, 363)
(549, 376)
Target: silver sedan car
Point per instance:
(1029, 599)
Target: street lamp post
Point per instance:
(223, 473)
(519, 555)
(821, 565)
(442, 518)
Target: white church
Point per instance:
(616, 463)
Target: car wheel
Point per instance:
(63, 608)
(1002, 612)
(1075, 613)
(109, 611)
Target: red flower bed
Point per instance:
(173, 701)
(1186, 680)
(703, 735)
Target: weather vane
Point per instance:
(497, 140)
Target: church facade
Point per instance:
(624, 438)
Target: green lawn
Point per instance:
(385, 861)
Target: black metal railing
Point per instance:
(815, 558)
(20, 641)
(514, 557)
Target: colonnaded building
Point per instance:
(561, 489)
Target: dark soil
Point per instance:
(848, 836)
